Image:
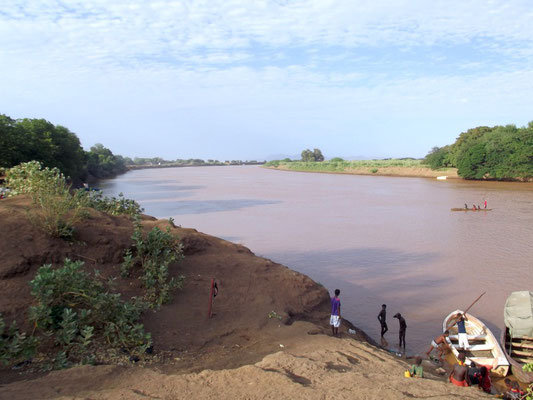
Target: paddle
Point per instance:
(469, 307)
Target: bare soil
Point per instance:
(240, 352)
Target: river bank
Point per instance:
(245, 350)
(366, 168)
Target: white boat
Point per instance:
(484, 348)
(442, 178)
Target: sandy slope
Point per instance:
(307, 367)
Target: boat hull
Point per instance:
(516, 367)
(471, 209)
(484, 348)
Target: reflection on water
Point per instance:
(378, 239)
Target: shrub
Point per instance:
(59, 210)
(111, 205)
(153, 253)
(374, 170)
(14, 345)
(79, 313)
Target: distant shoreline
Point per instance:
(134, 167)
(395, 171)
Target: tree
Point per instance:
(318, 155)
(310, 156)
(102, 163)
(438, 157)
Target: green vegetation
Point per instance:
(499, 153)
(310, 156)
(14, 345)
(57, 209)
(152, 254)
(111, 205)
(54, 146)
(78, 312)
(345, 166)
(102, 163)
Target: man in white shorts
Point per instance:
(335, 319)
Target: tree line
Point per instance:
(24, 140)
(495, 153)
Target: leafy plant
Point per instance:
(15, 345)
(59, 210)
(110, 205)
(79, 313)
(152, 254)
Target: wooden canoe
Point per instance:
(484, 348)
(471, 209)
(519, 351)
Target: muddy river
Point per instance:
(378, 239)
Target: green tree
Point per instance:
(102, 163)
(310, 156)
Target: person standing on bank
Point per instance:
(382, 318)
(335, 319)
(403, 328)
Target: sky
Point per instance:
(252, 79)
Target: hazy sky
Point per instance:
(245, 79)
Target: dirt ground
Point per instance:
(240, 352)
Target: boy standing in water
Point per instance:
(335, 319)
(382, 318)
(403, 328)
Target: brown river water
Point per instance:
(378, 239)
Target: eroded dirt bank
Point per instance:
(239, 353)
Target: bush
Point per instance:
(59, 210)
(111, 205)
(14, 345)
(153, 254)
(79, 313)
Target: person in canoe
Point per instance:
(439, 343)
(459, 374)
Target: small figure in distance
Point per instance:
(478, 207)
(485, 203)
(459, 374)
(382, 318)
(403, 328)
(439, 343)
(335, 319)
(466, 206)
(417, 370)
(474, 207)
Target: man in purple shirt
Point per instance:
(335, 319)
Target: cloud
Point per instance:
(169, 64)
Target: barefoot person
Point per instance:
(382, 318)
(439, 343)
(335, 319)
(403, 328)
(459, 374)
(460, 319)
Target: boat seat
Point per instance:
(477, 347)
(470, 337)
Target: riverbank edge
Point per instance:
(404, 172)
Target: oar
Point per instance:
(475, 301)
(469, 307)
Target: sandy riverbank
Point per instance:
(240, 353)
(419, 172)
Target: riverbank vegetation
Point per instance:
(495, 153)
(54, 146)
(388, 167)
(77, 315)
